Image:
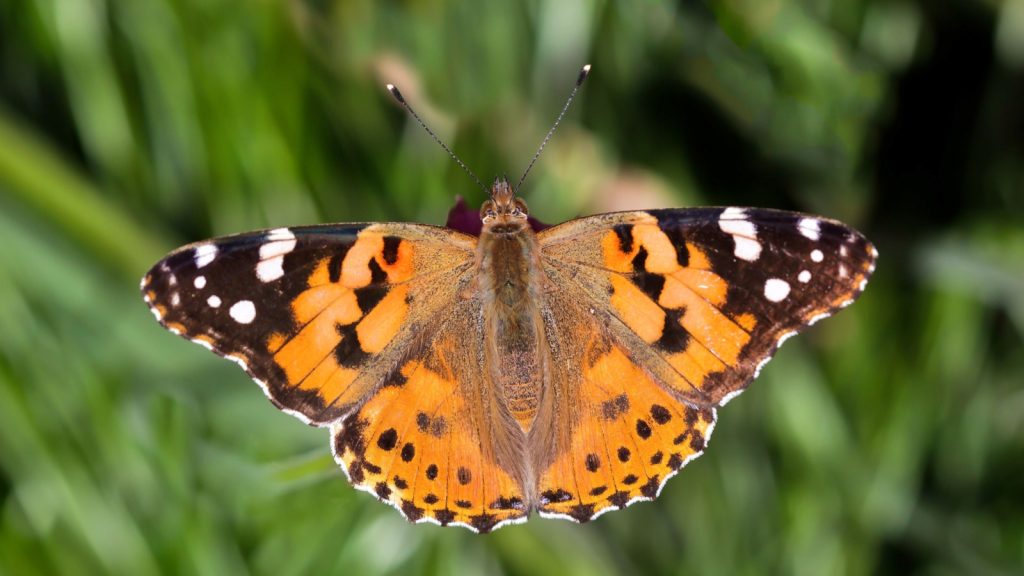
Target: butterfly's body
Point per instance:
(472, 380)
(510, 294)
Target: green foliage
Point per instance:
(887, 439)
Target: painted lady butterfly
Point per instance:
(470, 380)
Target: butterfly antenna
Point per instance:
(401, 100)
(584, 72)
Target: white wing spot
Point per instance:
(810, 227)
(199, 282)
(270, 270)
(747, 248)
(205, 254)
(776, 290)
(843, 251)
(804, 277)
(281, 241)
(243, 311)
(732, 213)
(277, 247)
(842, 271)
(733, 221)
(175, 299)
(213, 301)
(278, 234)
(817, 256)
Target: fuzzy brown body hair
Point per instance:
(511, 284)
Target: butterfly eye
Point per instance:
(519, 209)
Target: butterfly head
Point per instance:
(504, 212)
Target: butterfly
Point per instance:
(473, 374)
(471, 380)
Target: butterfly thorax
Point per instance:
(510, 285)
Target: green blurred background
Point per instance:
(889, 439)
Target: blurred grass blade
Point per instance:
(34, 173)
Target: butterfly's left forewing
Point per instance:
(702, 298)
(318, 315)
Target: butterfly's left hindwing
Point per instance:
(318, 315)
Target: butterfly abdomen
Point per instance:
(509, 280)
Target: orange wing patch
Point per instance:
(630, 436)
(643, 315)
(395, 260)
(348, 313)
(675, 307)
(423, 443)
(383, 321)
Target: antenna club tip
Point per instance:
(394, 92)
(584, 72)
